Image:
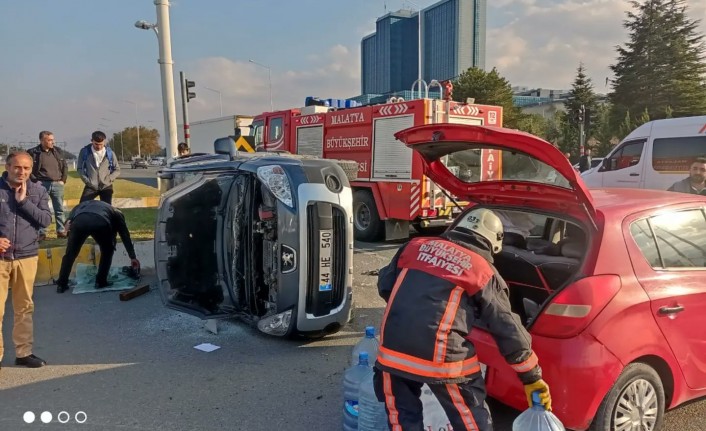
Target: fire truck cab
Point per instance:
(390, 191)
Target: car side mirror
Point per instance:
(225, 146)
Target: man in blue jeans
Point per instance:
(49, 168)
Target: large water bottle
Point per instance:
(366, 344)
(352, 379)
(536, 418)
(371, 412)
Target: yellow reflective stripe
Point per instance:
(442, 334)
(526, 365)
(421, 367)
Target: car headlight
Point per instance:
(274, 177)
(277, 324)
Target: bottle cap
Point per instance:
(370, 332)
(535, 398)
(363, 358)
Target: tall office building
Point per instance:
(453, 40)
(389, 56)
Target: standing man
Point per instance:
(585, 160)
(24, 206)
(98, 169)
(101, 221)
(49, 168)
(695, 183)
(435, 289)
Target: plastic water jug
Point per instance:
(434, 415)
(536, 418)
(352, 379)
(371, 412)
(366, 344)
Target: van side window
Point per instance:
(626, 156)
(677, 154)
(681, 238)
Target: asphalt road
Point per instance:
(132, 366)
(147, 176)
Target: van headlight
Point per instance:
(276, 180)
(277, 324)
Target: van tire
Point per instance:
(366, 220)
(636, 374)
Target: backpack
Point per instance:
(83, 157)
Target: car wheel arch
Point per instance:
(664, 372)
(641, 369)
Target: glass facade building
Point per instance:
(453, 40)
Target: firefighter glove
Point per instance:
(542, 388)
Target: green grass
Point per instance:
(140, 222)
(122, 188)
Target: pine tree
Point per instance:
(488, 88)
(661, 69)
(582, 94)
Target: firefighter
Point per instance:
(436, 289)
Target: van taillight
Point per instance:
(575, 307)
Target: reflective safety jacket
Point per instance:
(435, 290)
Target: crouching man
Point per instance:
(435, 289)
(102, 222)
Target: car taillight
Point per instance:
(575, 307)
(428, 213)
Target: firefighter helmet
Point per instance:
(485, 223)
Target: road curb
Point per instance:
(50, 259)
(146, 202)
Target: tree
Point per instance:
(126, 145)
(660, 71)
(488, 88)
(582, 95)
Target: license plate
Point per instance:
(325, 245)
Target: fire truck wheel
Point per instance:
(366, 221)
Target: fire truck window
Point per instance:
(258, 127)
(276, 128)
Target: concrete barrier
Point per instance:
(50, 259)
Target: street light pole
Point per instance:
(269, 78)
(163, 31)
(220, 100)
(137, 125)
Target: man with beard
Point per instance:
(695, 183)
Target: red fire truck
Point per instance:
(390, 191)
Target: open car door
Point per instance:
(188, 242)
(497, 166)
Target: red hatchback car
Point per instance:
(611, 283)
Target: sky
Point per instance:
(70, 66)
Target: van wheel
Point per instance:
(366, 221)
(634, 403)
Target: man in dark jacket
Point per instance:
(435, 289)
(102, 222)
(24, 209)
(49, 168)
(695, 183)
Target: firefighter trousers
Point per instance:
(464, 403)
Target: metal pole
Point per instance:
(582, 136)
(166, 68)
(185, 109)
(269, 77)
(419, 49)
(122, 147)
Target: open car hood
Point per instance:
(498, 166)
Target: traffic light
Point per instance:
(580, 115)
(190, 94)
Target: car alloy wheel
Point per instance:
(637, 407)
(636, 402)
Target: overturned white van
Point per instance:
(654, 156)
